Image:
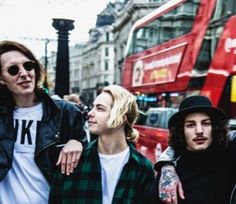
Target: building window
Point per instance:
(106, 52)
(107, 37)
(106, 65)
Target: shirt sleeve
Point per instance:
(167, 157)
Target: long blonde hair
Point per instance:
(124, 111)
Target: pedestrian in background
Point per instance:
(206, 160)
(110, 169)
(36, 132)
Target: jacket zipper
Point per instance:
(57, 136)
(45, 147)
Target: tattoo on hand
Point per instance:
(168, 178)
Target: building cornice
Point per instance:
(126, 14)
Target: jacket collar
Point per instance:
(50, 108)
(3, 110)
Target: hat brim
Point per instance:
(211, 111)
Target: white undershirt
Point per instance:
(112, 166)
(24, 182)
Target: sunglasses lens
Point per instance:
(29, 66)
(13, 70)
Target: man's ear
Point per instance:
(1, 81)
(125, 118)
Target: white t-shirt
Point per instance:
(112, 166)
(24, 182)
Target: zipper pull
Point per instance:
(57, 136)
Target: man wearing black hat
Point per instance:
(205, 166)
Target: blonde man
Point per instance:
(110, 170)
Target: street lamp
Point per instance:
(63, 26)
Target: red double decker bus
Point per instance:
(184, 47)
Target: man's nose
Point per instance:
(199, 128)
(22, 71)
(90, 113)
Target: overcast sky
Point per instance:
(30, 21)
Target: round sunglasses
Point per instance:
(14, 69)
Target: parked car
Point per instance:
(232, 124)
(153, 129)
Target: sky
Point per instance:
(30, 21)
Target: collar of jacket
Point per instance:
(50, 108)
(3, 110)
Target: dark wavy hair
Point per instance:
(177, 138)
(6, 98)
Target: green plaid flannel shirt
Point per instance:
(84, 186)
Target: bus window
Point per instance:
(224, 8)
(211, 38)
(173, 24)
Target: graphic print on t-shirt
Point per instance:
(26, 124)
(27, 131)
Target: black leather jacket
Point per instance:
(61, 122)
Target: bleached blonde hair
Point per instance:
(124, 111)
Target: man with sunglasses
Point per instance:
(37, 133)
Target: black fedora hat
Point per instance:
(196, 104)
